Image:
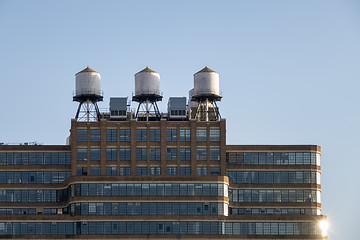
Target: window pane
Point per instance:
(141, 135)
(81, 135)
(141, 154)
(95, 171)
(154, 135)
(81, 154)
(171, 135)
(141, 171)
(185, 135)
(214, 135)
(154, 154)
(111, 154)
(111, 171)
(201, 135)
(171, 154)
(124, 135)
(201, 171)
(215, 154)
(185, 171)
(201, 154)
(124, 171)
(215, 171)
(185, 154)
(125, 154)
(95, 154)
(171, 171)
(111, 135)
(94, 135)
(155, 171)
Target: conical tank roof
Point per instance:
(87, 70)
(205, 69)
(147, 69)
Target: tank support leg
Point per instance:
(78, 111)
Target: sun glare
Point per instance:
(324, 227)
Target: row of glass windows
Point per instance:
(273, 177)
(34, 177)
(35, 158)
(154, 154)
(272, 228)
(22, 211)
(145, 189)
(154, 135)
(269, 158)
(274, 211)
(130, 189)
(140, 171)
(25, 211)
(146, 208)
(32, 195)
(274, 196)
(162, 227)
(38, 228)
(161, 209)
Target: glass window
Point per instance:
(171, 135)
(171, 154)
(171, 171)
(111, 135)
(201, 171)
(81, 154)
(141, 171)
(185, 154)
(185, 171)
(141, 154)
(111, 171)
(95, 171)
(214, 135)
(124, 171)
(81, 171)
(155, 171)
(81, 135)
(201, 154)
(185, 135)
(124, 135)
(154, 154)
(154, 135)
(141, 135)
(125, 154)
(111, 154)
(94, 135)
(95, 154)
(215, 171)
(215, 154)
(201, 135)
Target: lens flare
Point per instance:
(324, 227)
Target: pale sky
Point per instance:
(289, 72)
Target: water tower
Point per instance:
(206, 94)
(147, 94)
(88, 93)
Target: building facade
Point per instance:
(159, 178)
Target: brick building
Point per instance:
(146, 174)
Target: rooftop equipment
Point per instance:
(147, 94)
(118, 108)
(206, 94)
(88, 93)
(177, 108)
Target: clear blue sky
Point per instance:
(289, 72)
